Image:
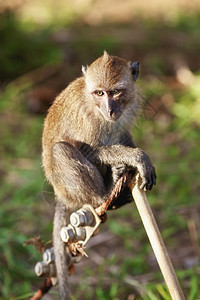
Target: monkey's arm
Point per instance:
(131, 157)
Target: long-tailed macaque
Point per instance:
(87, 144)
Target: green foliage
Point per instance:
(24, 48)
(168, 131)
(20, 194)
(187, 24)
(188, 106)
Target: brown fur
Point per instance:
(87, 144)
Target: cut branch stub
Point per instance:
(122, 182)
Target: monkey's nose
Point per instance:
(111, 112)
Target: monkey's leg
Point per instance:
(61, 215)
(76, 181)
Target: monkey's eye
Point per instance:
(114, 92)
(99, 93)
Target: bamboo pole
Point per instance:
(156, 240)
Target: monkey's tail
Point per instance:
(61, 218)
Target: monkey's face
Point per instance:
(110, 81)
(109, 103)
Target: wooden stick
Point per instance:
(156, 240)
(118, 188)
(42, 290)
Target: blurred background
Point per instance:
(42, 47)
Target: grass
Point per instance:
(168, 132)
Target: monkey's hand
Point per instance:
(145, 169)
(124, 158)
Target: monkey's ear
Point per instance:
(135, 70)
(84, 69)
(105, 55)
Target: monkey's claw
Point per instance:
(147, 173)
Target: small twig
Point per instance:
(118, 188)
(36, 242)
(194, 236)
(77, 249)
(43, 290)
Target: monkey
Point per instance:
(87, 144)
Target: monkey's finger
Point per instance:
(152, 181)
(144, 184)
(150, 185)
(154, 176)
(148, 182)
